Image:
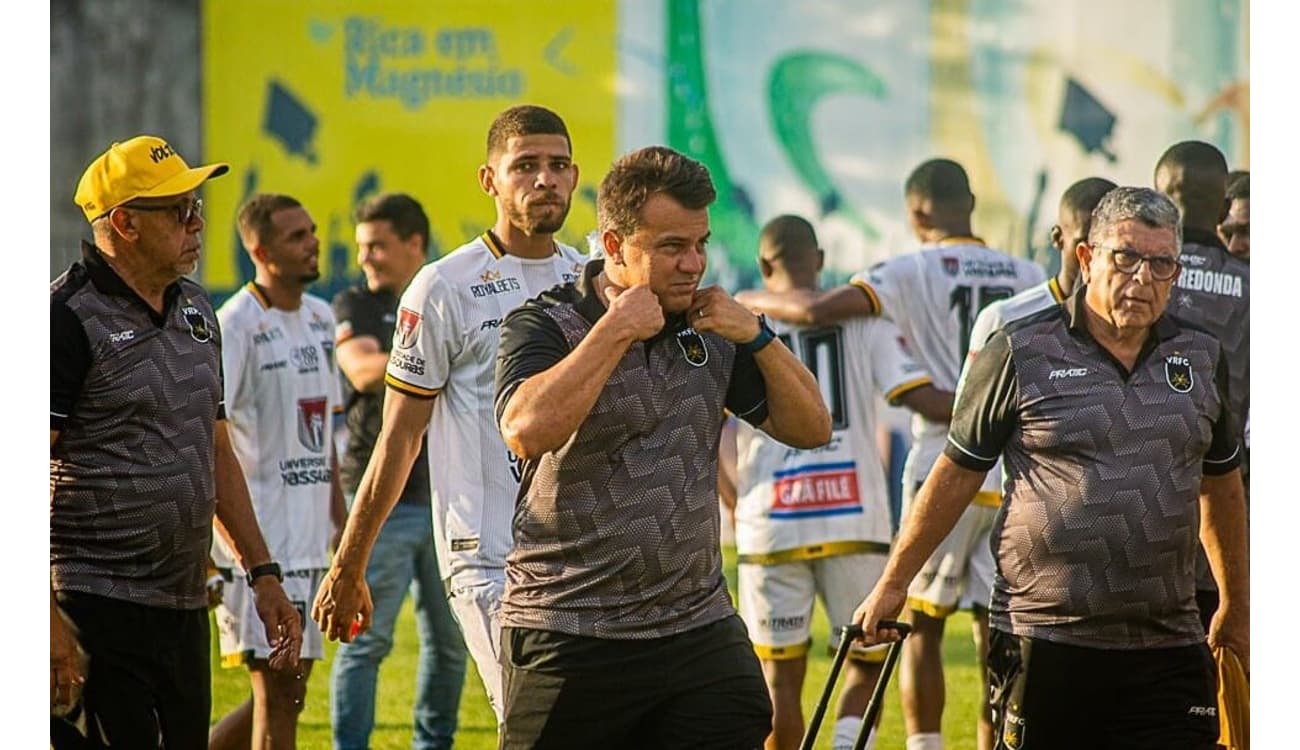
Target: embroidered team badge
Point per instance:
(200, 331)
(311, 423)
(693, 347)
(408, 328)
(950, 265)
(1178, 373)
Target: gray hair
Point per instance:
(1143, 204)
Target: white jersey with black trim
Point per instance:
(281, 392)
(796, 504)
(445, 346)
(1032, 300)
(934, 295)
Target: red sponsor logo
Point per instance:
(816, 491)
(408, 328)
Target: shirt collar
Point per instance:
(107, 281)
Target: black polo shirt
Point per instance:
(361, 312)
(135, 395)
(616, 531)
(1097, 534)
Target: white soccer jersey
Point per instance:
(934, 295)
(281, 393)
(1032, 300)
(445, 345)
(829, 500)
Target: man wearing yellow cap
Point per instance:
(140, 456)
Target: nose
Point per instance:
(692, 261)
(546, 177)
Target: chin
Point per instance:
(309, 277)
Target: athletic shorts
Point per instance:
(776, 602)
(702, 689)
(475, 599)
(1059, 697)
(242, 634)
(960, 571)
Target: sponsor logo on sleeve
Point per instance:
(408, 327)
(311, 423)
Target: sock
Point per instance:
(846, 732)
(925, 741)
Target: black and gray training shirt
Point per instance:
(1097, 535)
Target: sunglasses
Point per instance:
(1126, 261)
(186, 212)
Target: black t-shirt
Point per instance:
(361, 312)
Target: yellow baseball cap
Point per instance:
(144, 167)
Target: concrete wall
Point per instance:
(118, 68)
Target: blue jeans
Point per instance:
(402, 558)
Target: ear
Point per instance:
(1084, 253)
(485, 180)
(821, 259)
(613, 245)
(1056, 238)
(764, 267)
(1227, 205)
(123, 225)
(257, 252)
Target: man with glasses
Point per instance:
(139, 455)
(1213, 291)
(1111, 416)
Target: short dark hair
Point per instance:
(638, 175)
(525, 119)
(399, 209)
(255, 216)
(790, 233)
(1202, 182)
(1122, 204)
(943, 181)
(1084, 195)
(1239, 188)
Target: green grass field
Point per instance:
(477, 729)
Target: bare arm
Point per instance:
(930, 402)
(343, 594)
(1223, 534)
(808, 306)
(547, 408)
(362, 363)
(338, 508)
(727, 466)
(940, 502)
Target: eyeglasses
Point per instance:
(1162, 267)
(186, 212)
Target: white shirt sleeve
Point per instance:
(892, 368)
(428, 337)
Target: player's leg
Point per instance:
(932, 596)
(475, 599)
(234, 731)
(1166, 699)
(440, 676)
(355, 672)
(278, 696)
(979, 592)
(776, 606)
(843, 582)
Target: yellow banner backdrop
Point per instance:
(332, 102)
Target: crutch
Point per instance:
(848, 634)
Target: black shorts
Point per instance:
(699, 689)
(148, 675)
(1050, 695)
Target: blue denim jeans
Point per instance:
(402, 558)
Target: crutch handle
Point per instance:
(904, 629)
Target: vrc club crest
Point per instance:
(408, 327)
(311, 423)
(693, 347)
(950, 265)
(200, 331)
(1178, 373)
